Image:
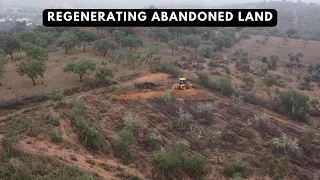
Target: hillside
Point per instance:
(98, 103)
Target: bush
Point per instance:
(240, 167)
(90, 137)
(276, 167)
(285, 144)
(214, 135)
(56, 138)
(227, 70)
(207, 52)
(130, 120)
(203, 78)
(180, 145)
(295, 103)
(205, 110)
(165, 97)
(167, 161)
(195, 166)
(154, 140)
(309, 133)
(224, 84)
(103, 73)
(243, 64)
(126, 138)
(261, 121)
(56, 96)
(169, 68)
(183, 117)
(248, 83)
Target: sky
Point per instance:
(126, 3)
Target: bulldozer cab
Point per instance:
(182, 81)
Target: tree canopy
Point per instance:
(32, 68)
(80, 67)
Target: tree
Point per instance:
(19, 26)
(297, 57)
(32, 68)
(3, 62)
(103, 72)
(34, 51)
(104, 46)
(118, 35)
(28, 36)
(46, 40)
(86, 38)
(224, 41)
(174, 45)
(290, 32)
(295, 103)
(307, 80)
(131, 42)
(166, 160)
(160, 33)
(11, 44)
(193, 42)
(151, 52)
(184, 41)
(271, 61)
(127, 30)
(248, 83)
(132, 58)
(243, 64)
(80, 67)
(270, 80)
(314, 69)
(196, 166)
(67, 41)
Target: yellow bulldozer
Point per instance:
(183, 84)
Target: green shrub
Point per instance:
(91, 161)
(195, 166)
(169, 68)
(180, 145)
(262, 121)
(309, 133)
(154, 140)
(215, 134)
(295, 103)
(78, 109)
(130, 120)
(227, 70)
(56, 96)
(89, 135)
(224, 84)
(285, 144)
(56, 138)
(203, 78)
(165, 97)
(248, 83)
(167, 161)
(184, 116)
(50, 119)
(241, 167)
(276, 167)
(205, 111)
(126, 138)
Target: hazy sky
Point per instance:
(125, 3)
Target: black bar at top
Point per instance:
(149, 13)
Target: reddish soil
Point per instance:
(140, 95)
